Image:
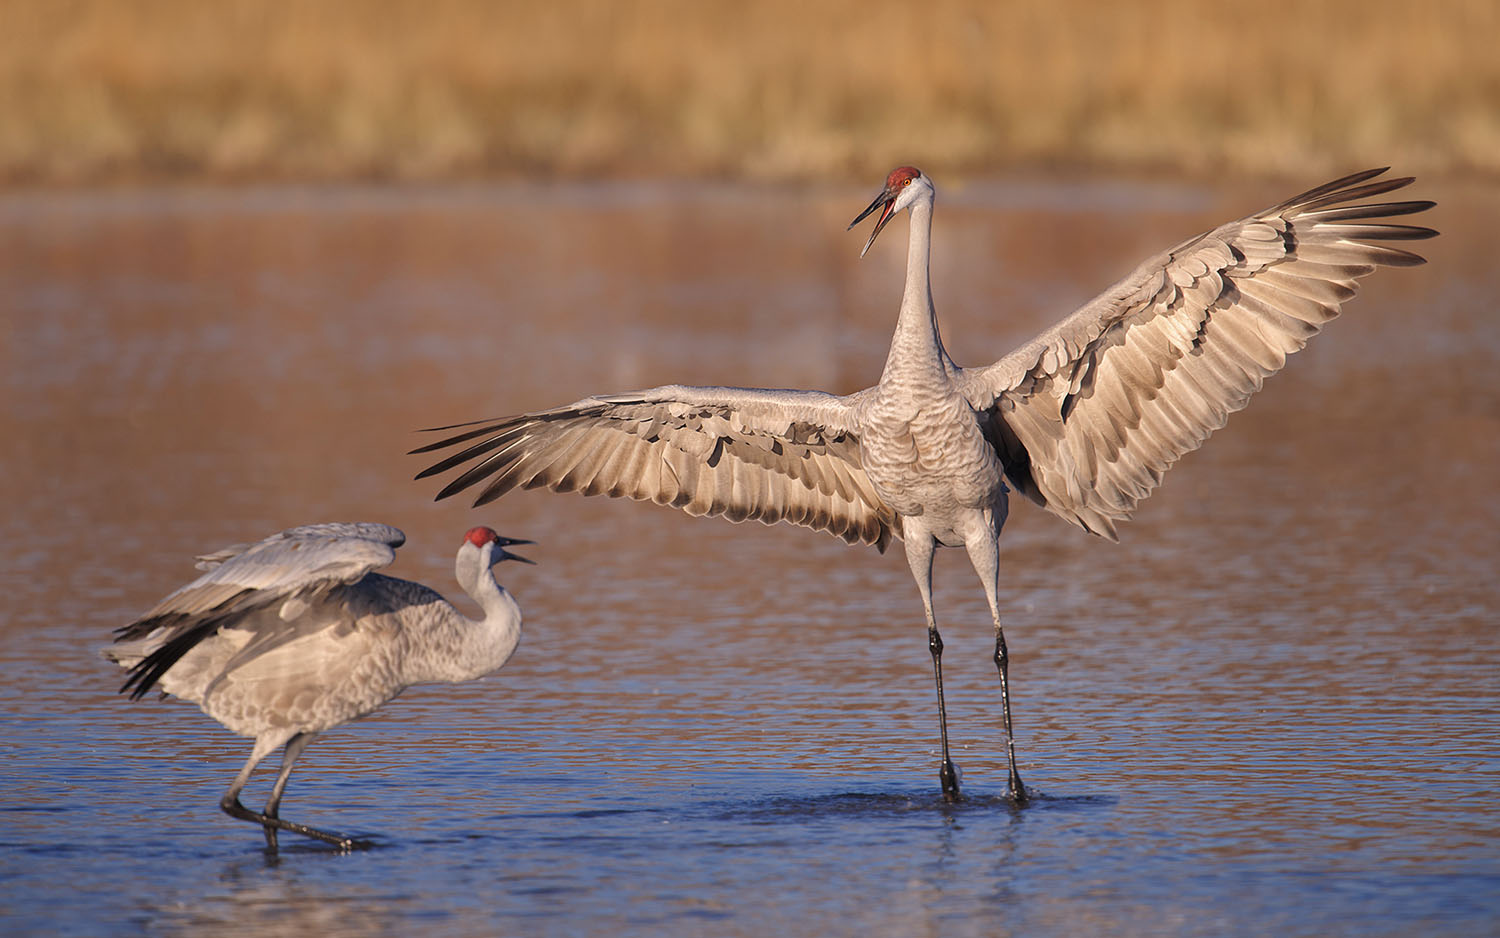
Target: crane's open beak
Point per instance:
(886, 198)
(503, 554)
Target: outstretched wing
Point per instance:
(771, 455)
(288, 569)
(1089, 414)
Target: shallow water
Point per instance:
(1270, 710)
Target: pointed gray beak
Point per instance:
(887, 198)
(504, 554)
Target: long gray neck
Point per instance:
(499, 632)
(479, 647)
(917, 345)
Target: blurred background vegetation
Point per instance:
(119, 90)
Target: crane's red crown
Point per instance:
(481, 536)
(900, 176)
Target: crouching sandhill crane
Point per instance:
(286, 638)
(1083, 420)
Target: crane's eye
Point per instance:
(906, 183)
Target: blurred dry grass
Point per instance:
(96, 90)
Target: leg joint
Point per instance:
(230, 805)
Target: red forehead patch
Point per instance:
(900, 176)
(481, 536)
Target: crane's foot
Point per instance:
(338, 841)
(949, 775)
(1017, 791)
(271, 824)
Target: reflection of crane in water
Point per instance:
(1084, 419)
(286, 638)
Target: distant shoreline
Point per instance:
(109, 91)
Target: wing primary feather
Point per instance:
(1335, 189)
(490, 426)
(1356, 193)
(1355, 232)
(1376, 254)
(1376, 210)
(479, 449)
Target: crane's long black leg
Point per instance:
(948, 774)
(293, 752)
(230, 803)
(919, 549)
(1002, 664)
(984, 553)
(269, 821)
(289, 757)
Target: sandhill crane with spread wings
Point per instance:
(283, 639)
(1083, 420)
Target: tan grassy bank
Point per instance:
(101, 90)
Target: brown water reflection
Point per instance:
(1287, 669)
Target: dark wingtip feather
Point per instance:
(150, 669)
(445, 442)
(459, 426)
(463, 456)
(475, 474)
(1354, 212)
(1354, 194)
(144, 676)
(1395, 257)
(1336, 185)
(489, 495)
(1357, 232)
